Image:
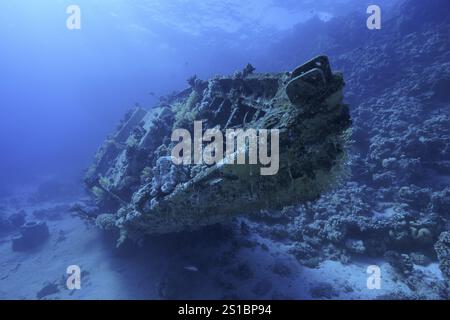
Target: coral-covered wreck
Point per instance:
(144, 192)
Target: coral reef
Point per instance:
(395, 205)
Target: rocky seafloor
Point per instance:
(392, 212)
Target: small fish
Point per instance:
(191, 268)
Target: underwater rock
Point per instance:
(134, 174)
(33, 234)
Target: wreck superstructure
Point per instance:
(135, 182)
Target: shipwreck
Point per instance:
(142, 191)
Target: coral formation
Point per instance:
(442, 248)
